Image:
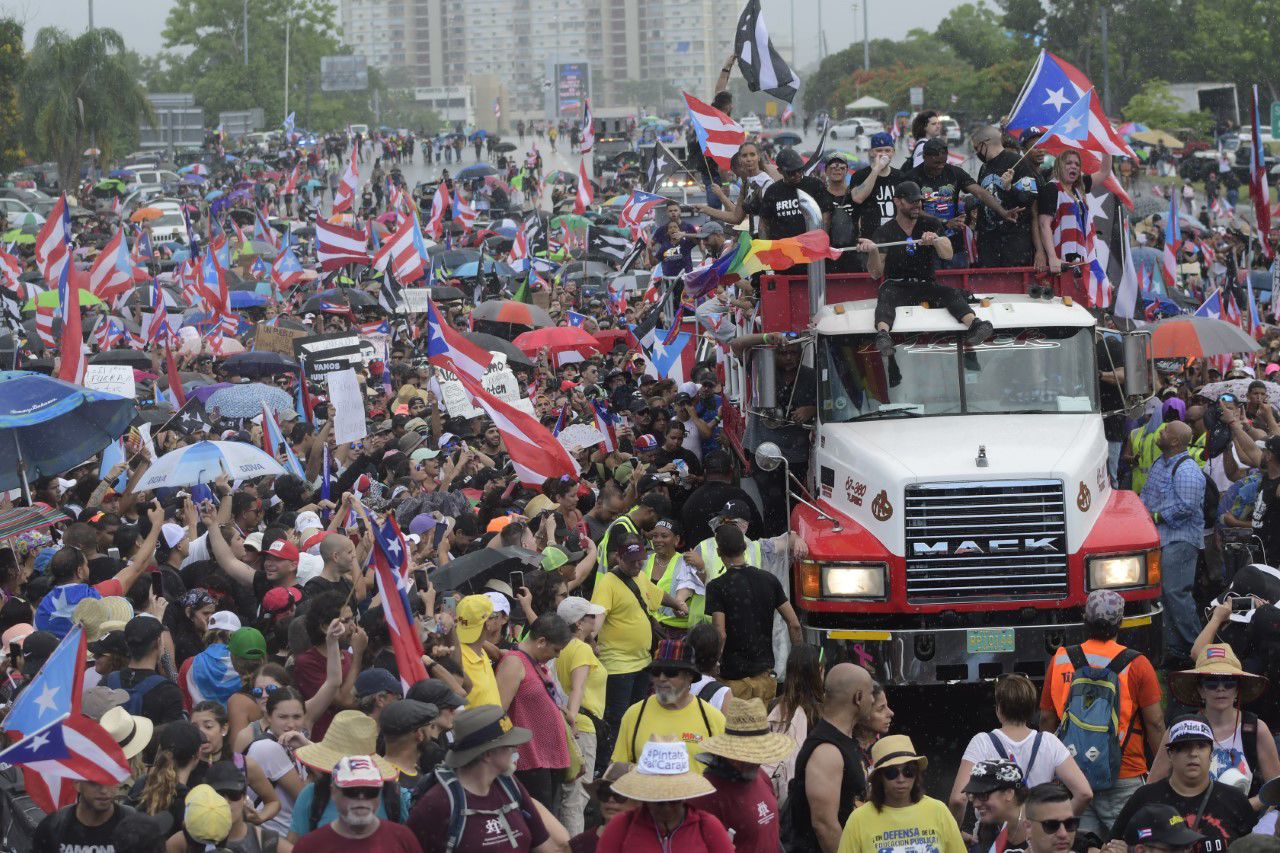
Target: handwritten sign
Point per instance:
(348, 406)
(112, 379)
(416, 299)
(276, 339)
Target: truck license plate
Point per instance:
(989, 640)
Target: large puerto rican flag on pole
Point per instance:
(405, 251)
(1259, 192)
(1172, 243)
(391, 569)
(585, 193)
(719, 136)
(346, 193)
(450, 350)
(337, 245)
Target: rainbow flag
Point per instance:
(782, 254)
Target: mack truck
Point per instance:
(956, 506)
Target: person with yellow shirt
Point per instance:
(474, 612)
(672, 712)
(628, 596)
(899, 817)
(582, 678)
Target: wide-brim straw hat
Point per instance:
(662, 775)
(1216, 659)
(132, 733)
(747, 736)
(350, 733)
(893, 750)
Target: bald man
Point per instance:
(1174, 495)
(1016, 183)
(816, 810)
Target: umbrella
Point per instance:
(787, 137)
(469, 269)
(110, 185)
(1197, 337)
(146, 214)
(556, 338)
(205, 461)
(49, 299)
(472, 570)
(1156, 137)
(17, 235)
(479, 134)
(1240, 387)
(1149, 205)
(446, 293)
(450, 258)
(560, 176)
(260, 363)
(23, 519)
(333, 302)
(92, 152)
(48, 426)
(245, 400)
(504, 147)
(493, 343)
(39, 365)
(245, 299)
(476, 170)
(127, 357)
(204, 392)
(515, 313)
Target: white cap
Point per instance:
(500, 602)
(306, 521)
(172, 533)
(224, 620)
(574, 608)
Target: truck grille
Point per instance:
(997, 540)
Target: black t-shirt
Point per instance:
(1266, 515)
(908, 263)
(877, 208)
(162, 703)
(705, 502)
(319, 585)
(1017, 196)
(74, 836)
(748, 597)
(942, 192)
(1111, 352)
(666, 457)
(843, 229)
(779, 207)
(1227, 815)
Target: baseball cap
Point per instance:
(224, 777)
(935, 145)
(789, 160)
(709, 228)
(172, 533)
(631, 551)
(207, 817)
(224, 620)
(414, 424)
(112, 643)
(247, 644)
(907, 191)
(422, 454)
(433, 691)
(254, 540)
(1159, 823)
(993, 774)
(306, 521)
(1189, 729)
(139, 631)
(1104, 605)
(406, 715)
(733, 511)
(473, 611)
(645, 443)
(283, 549)
(553, 557)
(500, 602)
(422, 523)
(497, 523)
(881, 140)
(376, 680)
(280, 598)
(574, 608)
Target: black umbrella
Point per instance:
(493, 343)
(257, 363)
(126, 357)
(504, 147)
(446, 293)
(39, 365)
(454, 258)
(470, 572)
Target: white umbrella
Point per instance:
(205, 461)
(1240, 388)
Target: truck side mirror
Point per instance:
(764, 377)
(1137, 363)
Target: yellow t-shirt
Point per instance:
(686, 725)
(625, 635)
(484, 685)
(574, 655)
(926, 825)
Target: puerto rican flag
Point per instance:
(1211, 307)
(405, 251)
(588, 129)
(346, 194)
(450, 350)
(53, 250)
(608, 426)
(391, 571)
(586, 194)
(1172, 242)
(719, 136)
(291, 185)
(110, 332)
(1259, 192)
(463, 213)
(274, 443)
(1231, 311)
(112, 271)
(156, 330)
(439, 204)
(337, 245)
(638, 206)
(11, 270)
(72, 362)
(519, 248)
(263, 231)
(286, 271)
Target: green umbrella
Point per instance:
(49, 299)
(17, 235)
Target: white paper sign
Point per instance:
(112, 378)
(416, 299)
(347, 406)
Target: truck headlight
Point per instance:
(1119, 571)
(854, 581)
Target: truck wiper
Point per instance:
(884, 413)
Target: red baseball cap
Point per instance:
(280, 599)
(282, 549)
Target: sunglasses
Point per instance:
(1052, 826)
(1220, 683)
(605, 794)
(361, 793)
(667, 672)
(907, 771)
(259, 692)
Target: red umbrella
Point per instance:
(557, 339)
(512, 312)
(610, 338)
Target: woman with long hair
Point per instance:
(247, 708)
(796, 710)
(174, 769)
(898, 805)
(286, 715)
(1066, 231)
(210, 718)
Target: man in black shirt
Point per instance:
(719, 488)
(872, 186)
(160, 698)
(843, 216)
(908, 268)
(86, 825)
(779, 207)
(741, 603)
(941, 185)
(1266, 508)
(1220, 812)
(1110, 352)
(1015, 183)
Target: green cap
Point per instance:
(247, 644)
(553, 558)
(623, 473)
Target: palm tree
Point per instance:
(78, 89)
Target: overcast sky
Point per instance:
(140, 21)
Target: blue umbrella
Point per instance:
(245, 400)
(193, 179)
(48, 426)
(122, 174)
(476, 170)
(479, 134)
(313, 184)
(205, 461)
(469, 269)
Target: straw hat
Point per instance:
(747, 736)
(662, 776)
(132, 733)
(1216, 659)
(350, 733)
(892, 750)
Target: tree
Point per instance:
(76, 90)
(978, 37)
(12, 62)
(1155, 106)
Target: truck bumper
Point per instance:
(952, 655)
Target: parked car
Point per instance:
(855, 126)
(751, 123)
(951, 130)
(34, 199)
(171, 226)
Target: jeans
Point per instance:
(573, 795)
(1178, 568)
(1113, 461)
(620, 693)
(895, 293)
(1102, 812)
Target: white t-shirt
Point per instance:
(1051, 754)
(276, 763)
(717, 699)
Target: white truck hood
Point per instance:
(856, 462)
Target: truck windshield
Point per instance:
(1019, 370)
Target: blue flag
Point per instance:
(666, 355)
(50, 694)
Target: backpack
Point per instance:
(138, 692)
(1007, 756)
(458, 810)
(1090, 727)
(1211, 494)
(710, 689)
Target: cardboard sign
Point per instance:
(416, 299)
(323, 354)
(498, 380)
(276, 339)
(347, 406)
(112, 379)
